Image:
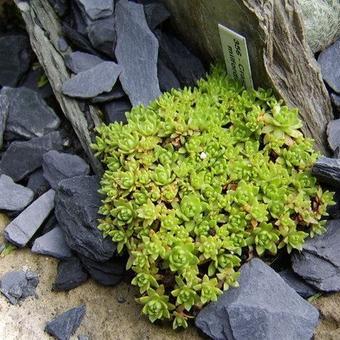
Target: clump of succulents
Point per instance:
(198, 182)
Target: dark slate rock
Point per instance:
(15, 58)
(23, 227)
(59, 165)
(116, 93)
(167, 79)
(14, 197)
(4, 107)
(65, 324)
(115, 110)
(186, 66)
(38, 183)
(80, 18)
(333, 134)
(22, 158)
(108, 273)
(263, 307)
(79, 61)
(329, 61)
(319, 261)
(102, 35)
(298, 284)
(28, 116)
(137, 53)
(97, 9)
(155, 13)
(77, 203)
(63, 46)
(59, 6)
(91, 83)
(52, 244)
(70, 275)
(17, 286)
(336, 102)
(327, 170)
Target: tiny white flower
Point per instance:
(203, 155)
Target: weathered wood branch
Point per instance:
(44, 31)
(279, 55)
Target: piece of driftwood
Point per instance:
(45, 31)
(279, 55)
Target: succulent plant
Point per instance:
(198, 181)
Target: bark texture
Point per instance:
(279, 55)
(44, 31)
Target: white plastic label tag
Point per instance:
(236, 56)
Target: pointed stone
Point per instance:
(80, 61)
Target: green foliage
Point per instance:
(198, 180)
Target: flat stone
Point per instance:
(115, 111)
(28, 116)
(63, 46)
(77, 203)
(329, 61)
(52, 244)
(102, 35)
(23, 227)
(14, 197)
(298, 284)
(108, 273)
(59, 165)
(327, 170)
(22, 158)
(178, 58)
(97, 9)
(18, 285)
(65, 324)
(137, 53)
(155, 13)
(167, 79)
(70, 275)
(333, 134)
(15, 58)
(263, 307)
(116, 93)
(80, 61)
(91, 83)
(319, 261)
(4, 107)
(38, 183)
(336, 102)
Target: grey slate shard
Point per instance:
(22, 158)
(319, 261)
(329, 61)
(263, 307)
(297, 283)
(15, 58)
(91, 83)
(178, 58)
(76, 208)
(333, 134)
(97, 9)
(4, 107)
(59, 165)
(62, 45)
(23, 227)
(31, 81)
(18, 285)
(65, 324)
(155, 13)
(28, 115)
(14, 197)
(52, 244)
(167, 79)
(59, 6)
(108, 273)
(38, 183)
(102, 35)
(80, 61)
(137, 52)
(335, 98)
(70, 275)
(116, 93)
(327, 170)
(115, 111)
